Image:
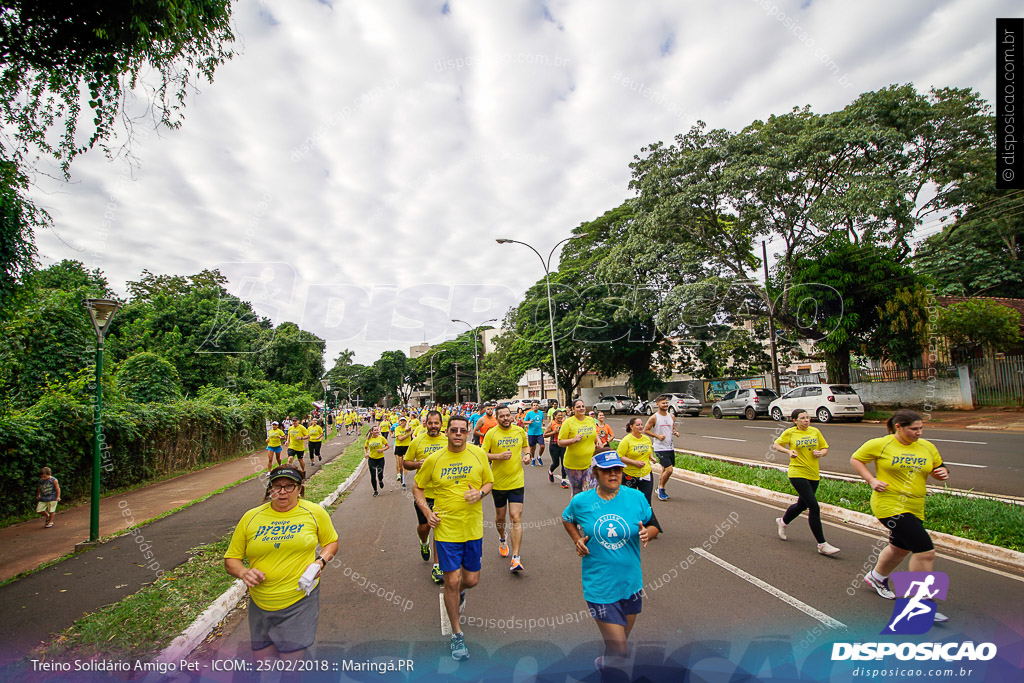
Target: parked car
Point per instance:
(516, 404)
(678, 404)
(746, 402)
(615, 404)
(824, 402)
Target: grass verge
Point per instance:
(144, 623)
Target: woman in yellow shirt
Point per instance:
(373, 451)
(637, 451)
(804, 445)
(903, 461)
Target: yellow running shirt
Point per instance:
(636, 449)
(508, 474)
(451, 475)
(403, 435)
(274, 438)
(316, 433)
(578, 455)
(423, 447)
(295, 434)
(905, 469)
(281, 545)
(804, 465)
(376, 446)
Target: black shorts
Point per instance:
(666, 458)
(400, 451)
(292, 453)
(420, 517)
(907, 532)
(314, 448)
(504, 497)
(535, 440)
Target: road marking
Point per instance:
(723, 438)
(772, 590)
(446, 623)
(771, 428)
(964, 464)
(976, 443)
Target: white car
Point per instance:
(824, 402)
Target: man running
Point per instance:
(661, 427)
(506, 446)
(297, 438)
(534, 421)
(423, 446)
(461, 478)
(486, 422)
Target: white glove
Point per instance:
(308, 578)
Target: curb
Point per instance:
(204, 624)
(1004, 558)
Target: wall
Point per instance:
(917, 394)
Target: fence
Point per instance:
(998, 381)
(891, 374)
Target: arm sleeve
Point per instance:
(563, 432)
(569, 513)
(236, 548)
(869, 452)
(623, 449)
(326, 533)
(821, 440)
(425, 471)
(783, 439)
(488, 440)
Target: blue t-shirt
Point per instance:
(473, 418)
(611, 572)
(536, 419)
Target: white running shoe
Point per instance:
(827, 548)
(782, 528)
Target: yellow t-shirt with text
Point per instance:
(375, 445)
(274, 437)
(422, 447)
(578, 455)
(452, 475)
(316, 433)
(508, 474)
(636, 449)
(295, 434)
(905, 469)
(804, 465)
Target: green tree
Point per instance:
(902, 332)
(148, 378)
(498, 378)
(976, 324)
(290, 355)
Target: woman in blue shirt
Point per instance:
(613, 521)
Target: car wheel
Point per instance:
(777, 414)
(750, 413)
(823, 415)
(613, 411)
(716, 413)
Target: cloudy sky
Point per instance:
(352, 166)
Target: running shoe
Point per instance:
(565, 484)
(940, 618)
(662, 495)
(459, 650)
(881, 587)
(517, 566)
(551, 476)
(437, 575)
(827, 548)
(782, 528)
(540, 462)
(375, 494)
(462, 602)
(425, 551)
(503, 547)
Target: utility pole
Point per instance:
(457, 384)
(771, 319)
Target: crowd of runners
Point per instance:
(453, 457)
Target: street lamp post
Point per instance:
(476, 356)
(547, 280)
(326, 384)
(101, 312)
(432, 401)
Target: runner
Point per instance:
(373, 451)
(474, 417)
(385, 427)
(578, 435)
(316, 439)
(637, 452)
(461, 478)
(274, 437)
(557, 452)
(297, 438)
(661, 427)
(506, 446)
(605, 433)
(617, 520)
(903, 461)
(804, 445)
(403, 437)
(424, 445)
(484, 423)
(534, 422)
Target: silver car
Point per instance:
(678, 404)
(615, 404)
(750, 403)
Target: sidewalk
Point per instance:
(1009, 419)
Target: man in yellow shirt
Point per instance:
(506, 447)
(297, 438)
(460, 477)
(429, 441)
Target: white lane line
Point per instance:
(772, 590)
(771, 428)
(964, 464)
(446, 624)
(723, 438)
(976, 443)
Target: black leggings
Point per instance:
(805, 488)
(556, 452)
(646, 487)
(376, 472)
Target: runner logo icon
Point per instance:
(611, 531)
(914, 613)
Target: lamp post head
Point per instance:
(101, 312)
(326, 384)
(502, 240)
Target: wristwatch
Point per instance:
(322, 561)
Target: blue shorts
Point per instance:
(535, 439)
(275, 449)
(616, 612)
(452, 555)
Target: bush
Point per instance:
(148, 378)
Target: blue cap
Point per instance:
(606, 460)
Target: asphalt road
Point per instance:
(989, 462)
(707, 612)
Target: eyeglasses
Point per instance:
(458, 430)
(283, 488)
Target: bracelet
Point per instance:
(322, 561)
